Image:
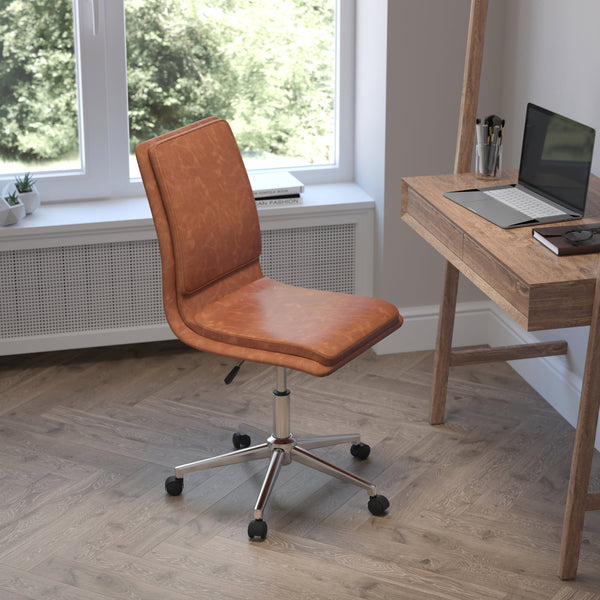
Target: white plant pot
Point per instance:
(9, 215)
(31, 200)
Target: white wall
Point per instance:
(370, 109)
(426, 56)
(426, 46)
(551, 57)
(408, 90)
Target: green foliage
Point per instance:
(264, 65)
(38, 106)
(24, 184)
(12, 199)
(177, 72)
(284, 104)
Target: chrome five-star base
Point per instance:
(282, 448)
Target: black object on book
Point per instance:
(570, 239)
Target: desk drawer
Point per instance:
(433, 221)
(498, 277)
(548, 309)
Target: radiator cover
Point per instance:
(68, 290)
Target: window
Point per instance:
(95, 77)
(38, 87)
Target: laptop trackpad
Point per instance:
(489, 209)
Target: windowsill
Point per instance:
(93, 221)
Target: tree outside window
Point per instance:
(267, 66)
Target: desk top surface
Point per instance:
(537, 288)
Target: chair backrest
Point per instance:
(197, 186)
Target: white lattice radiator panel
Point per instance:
(78, 291)
(321, 257)
(48, 291)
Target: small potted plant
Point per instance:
(28, 193)
(11, 209)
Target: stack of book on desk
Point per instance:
(275, 189)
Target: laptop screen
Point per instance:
(556, 157)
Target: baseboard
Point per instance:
(418, 332)
(484, 323)
(86, 339)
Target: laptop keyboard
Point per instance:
(523, 202)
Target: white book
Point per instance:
(275, 185)
(296, 199)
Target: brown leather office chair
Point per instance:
(216, 298)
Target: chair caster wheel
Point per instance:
(241, 440)
(378, 505)
(257, 528)
(360, 450)
(174, 485)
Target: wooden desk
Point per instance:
(538, 289)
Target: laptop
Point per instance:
(556, 159)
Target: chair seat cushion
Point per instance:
(268, 315)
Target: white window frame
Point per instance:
(100, 54)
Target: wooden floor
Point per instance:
(87, 438)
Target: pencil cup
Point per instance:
(488, 160)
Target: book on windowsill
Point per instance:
(279, 184)
(570, 239)
(281, 201)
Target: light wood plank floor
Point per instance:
(88, 436)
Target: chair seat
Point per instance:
(322, 326)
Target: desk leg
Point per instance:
(443, 348)
(583, 451)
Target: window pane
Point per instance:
(38, 92)
(267, 66)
